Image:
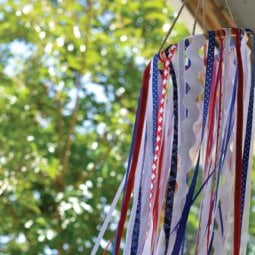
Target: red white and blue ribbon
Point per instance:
(191, 150)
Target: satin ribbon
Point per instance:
(207, 91)
(136, 230)
(156, 166)
(158, 143)
(131, 174)
(248, 133)
(173, 169)
(239, 148)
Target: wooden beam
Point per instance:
(216, 14)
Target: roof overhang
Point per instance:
(217, 14)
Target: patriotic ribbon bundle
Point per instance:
(192, 143)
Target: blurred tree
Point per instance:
(70, 73)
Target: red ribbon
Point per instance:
(239, 147)
(137, 145)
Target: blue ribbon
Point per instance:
(173, 171)
(155, 99)
(247, 142)
(136, 229)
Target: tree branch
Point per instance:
(96, 163)
(67, 150)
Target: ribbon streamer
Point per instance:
(190, 158)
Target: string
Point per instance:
(196, 17)
(173, 24)
(204, 14)
(230, 12)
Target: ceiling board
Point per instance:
(244, 12)
(217, 14)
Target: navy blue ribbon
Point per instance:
(136, 229)
(155, 99)
(247, 143)
(173, 171)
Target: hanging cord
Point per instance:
(196, 17)
(173, 24)
(227, 3)
(204, 14)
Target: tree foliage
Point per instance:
(70, 77)
(70, 73)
